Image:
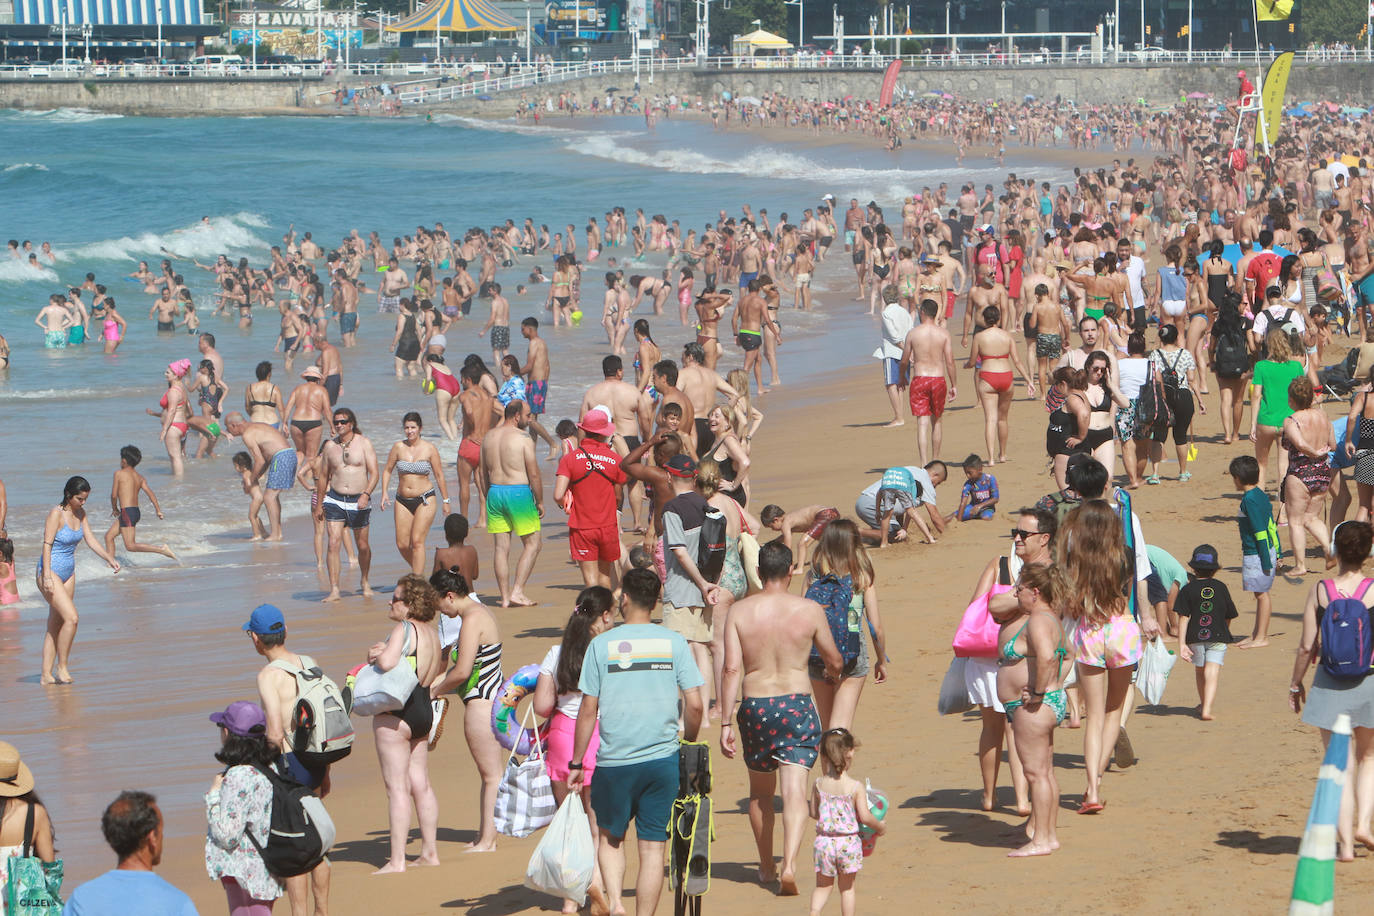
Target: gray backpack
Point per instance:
(320, 728)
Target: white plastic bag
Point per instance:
(1153, 673)
(953, 693)
(564, 860)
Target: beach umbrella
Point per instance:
(1353, 110)
(1314, 882)
(1232, 253)
(610, 89)
(1028, 98)
(749, 100)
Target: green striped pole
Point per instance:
(1314, 884)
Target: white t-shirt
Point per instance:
(1135, 274)
(1133, 371)
(569, 704)
(1338, 168)
(1274, 316)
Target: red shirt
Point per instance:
(1263, 270)
(592, 470)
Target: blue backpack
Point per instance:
(835, 595)
(1347, 646)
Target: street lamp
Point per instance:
(86, 36)
(1111, 36)
(63, 19)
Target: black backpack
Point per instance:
(711, 546)
(301, 833)
(1170, 379)
(1153, 405)
(1231, 356)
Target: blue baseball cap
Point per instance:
(265, 619)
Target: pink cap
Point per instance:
(180, 367)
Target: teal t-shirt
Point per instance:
(636, 672)
(1273, 379)
(1257, 527)
(1170, 571)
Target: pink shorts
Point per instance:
(660, 562)
(562, 735)
(1115, 644)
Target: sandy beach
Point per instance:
(1209, 817)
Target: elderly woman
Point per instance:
(1330, 698)
(66, 526)
(1032, 545)
(1308, 438)
(476, 675)
(402, 737)
(1106, 637)
(238, 811)
(557, 699)
(994, 354)
(415, 461)
(1033, 658)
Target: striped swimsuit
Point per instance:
(486, 678)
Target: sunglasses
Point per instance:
(1022, 534)
(398, 599)
(341, 422)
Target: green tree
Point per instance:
(1331, 20)
(739, 18)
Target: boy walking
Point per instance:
(128, 483)
(1206, 604)
(1259, 541)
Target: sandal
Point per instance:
(1152, 479)
(1185, 476)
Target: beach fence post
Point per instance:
(1314, 883)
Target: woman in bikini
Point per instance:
(863, 241)
(647, 354)
(476, 677)
(415, 461)
(993, 352)
(1032, 657)
(560, 292)
(262, 399)
(1095, 430)
(305, 412)
(174, 409)
(881, 254)
(402, 737)
(906, 278)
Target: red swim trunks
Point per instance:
(470, 451)
(928, 396)
(949, 303)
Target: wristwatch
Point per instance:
(575, 765)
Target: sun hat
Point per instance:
(1205, 558)
(15, 778)
(241, 718)
(313, 372)
(597, 421)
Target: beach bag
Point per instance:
(976, 636)
(376, 691)
(711, 544)
(1153, 673)
(321, 731)
(1346, 643)
(32, 886)
(749, 559)
(953, 691)
(1328, 286)
(1153, 407)
(524, 799)
(1231, 356)
(835, 594)
(301, 832)
(565, 859)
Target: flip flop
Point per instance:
(1090, 807)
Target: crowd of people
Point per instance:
(1054, 631)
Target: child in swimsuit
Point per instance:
(839, 804)
(243, 464)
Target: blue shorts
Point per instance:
(747, 276)
(281, 471)
(892, 371)
(1155, 590)
(348, 322)
(642, 791)
(343, 507)
(969, 515)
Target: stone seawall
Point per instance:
(1088, 84)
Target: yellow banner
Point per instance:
(1275, 85)
(1273, 10)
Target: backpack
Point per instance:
(1285, 324)
(320, 728)
(301, 832)
(711, 544)
(1170, 379)
(1347, 646)
(1230, 355)
(835, 595)
(1153, 407)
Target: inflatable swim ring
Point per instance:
(505, 721)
